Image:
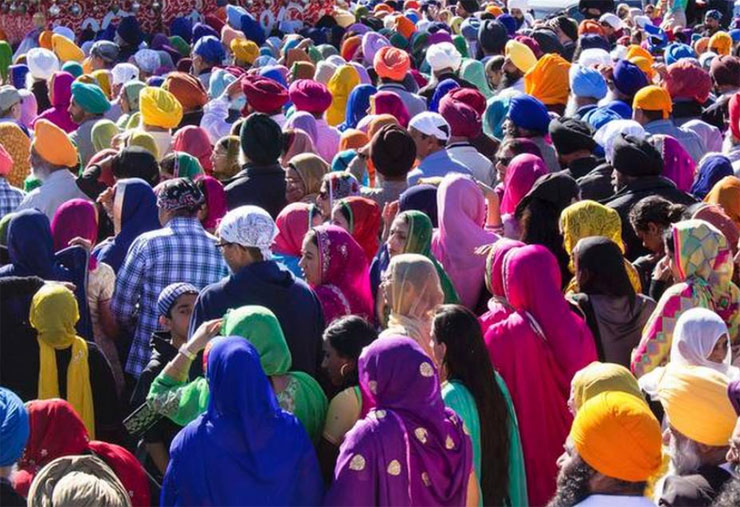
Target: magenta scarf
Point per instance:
(215, 200)
(75, 218)
(498, 307)
(461, 218)
(60, 94)
(678, 166)
(522, 172)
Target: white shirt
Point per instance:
(479, 166)
(615, 501)
(57, 189)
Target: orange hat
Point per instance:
(653, 98)
(53, 145)
(350, 46)
(617, 435)
(187, 89)
(405, 26)
(494, 9)
(383, 8)
(548, 80)
(721, 43)
(391, 63)
(634, 50)
(590, 26)
(45, 39)
(701, 45)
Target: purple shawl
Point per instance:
(678, 166)
(410, 449)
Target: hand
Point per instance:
(662, 270)
(488, 193)
(234, 89)
(205, 333)
(84, 243)
(390, 210)
(105, 199)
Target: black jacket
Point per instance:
(597, 184)
(694, 490)
(262, 186)
(582, 166)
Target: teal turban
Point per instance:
(90, 97)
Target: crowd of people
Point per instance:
(418, 252)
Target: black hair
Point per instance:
(167, 164)
(348, 336)
(602, 260)
(573, 485)
(652, 115)
(467, 362)
(668, 240)
(654, 209)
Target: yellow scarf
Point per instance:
(341, 84)
(54, 314)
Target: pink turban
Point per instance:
(464, 120)
(309, 95)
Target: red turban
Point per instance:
(264, 95)
(471, 97)
(685, 79)
(464, 120)
(310, 96)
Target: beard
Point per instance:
(508, 79)
(572, 485)
(684, 457)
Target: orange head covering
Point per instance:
(590, 26)
(391, 63)
(65, 49)
(405, 27)
(721, 43)
(726, 193)
(494, 9)
(45, 39)
(228, 34)
(548, 80)
(379, 121)
(653, 98)
(644, 65)
(701, 45)
(617, 435)
(302, 70)
(633, 50)
(383, 8)
(350, 46)
(296, 55)
(187, 89)
(53, 145)
(352, 139)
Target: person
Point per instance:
(182, 251)
(261, 182)
(613, 448)
(14, 432)
(541, 334)
(60, 95)
(484, 406)
(214, 208)
(521, 174)
(701, 420)
(461, 231)
(497, 308)
(128, 101)
(86, 108)
(42, 64)
(244, 448)
(174, 306)
(597, 378)
(195, 142)
(392, 152)
(678, 166)
(303, 176)
(360, 217)
(430, 132)
(292, 224)
(518, 60)
(431, 457)
(344, 340)
(179, 164)
(265, 95)
(160, 113)
(207, 53)
(10, 197)
(444, 60)
(587, 87)
(725, 193)
(392, 65)
(335, 266)
(335, 185)
(638, 167)
(18, 146)
(53, 158)
(613, 310)
(702, 268)
(132, 207)
(315, 98)
(191, 94)
(574, 143)
(712, 168)
(528, 118)
(225, 158)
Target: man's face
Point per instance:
(421, 141)
(573, 477)
(76, 112)
(711, 23)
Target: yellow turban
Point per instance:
(720, 43)
(53, 145)
(65, 49)
(548, 80)
(597, 378)
(633, 50)
(696, 403)
(653, 98)
(102, 78)
(159, 108)
(644, 65)
(520, 55)
(618, 436)
(244, 50)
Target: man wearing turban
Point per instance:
(574, 142)
(265, 95)
(87, 107)
(587, 87)
(700, 423)
(392, 66)
(54, 161)
(160, 112)
(189, 91)
(519, 59)
(614, 447)
(445, 61)
(528, 118)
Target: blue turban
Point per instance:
(509, 22)
(712, 168)
(273, 72)
(155, 81)
(621, 108)
(674, 52)
(130, 31)
(264, 61)
(18, 75)
(594, 40)
(14, 427)
(234, 15)
(657, 38)
(342, 160)
(210, 49)
(90, 97)
(415, 17)
(440, 91)
(735, 34)
(493, 118)
(469, 28)
(182, 27)
(252, 29)
(600, 116)
(628, 78)
(529, 113)
(201, 30)
(587, 82)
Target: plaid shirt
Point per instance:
(179, 252)
(10, 197)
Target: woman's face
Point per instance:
(674, 267)
(439, 350)
(398, 236)
(502, 162)
(494, 77)
(338, 219)
(652, 237)
(322, 201)
(719, 352)
(220, 160)
(335, 365)
(294, 187)
(309, 262)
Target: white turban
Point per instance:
(64, 32)
(249, 226)
(147, 60)
(42, 63)
(608, 134)
(124, 72)
(443, 56)
(612, 20)
(324, 71)
(594, 56)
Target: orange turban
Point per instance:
(53, 145)
(65, 49)
(494, 9)
(391, 63)
(548, 80)
(187, 89)
(383, 8)
(590, 26)
(617, 435)
(720, 43)
(405, 27)
(353, 139)
(653, 98)
(634, 50)
(45, 39)
(701, 45)
(350, 46)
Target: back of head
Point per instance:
(636, 157)
(601, 269)
(261, 139)
(392, 151)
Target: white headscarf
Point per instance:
(124, 72)
(42, 63)
(249, 226)
(444, 56)
(695, 336)
(147, 60)
(608, 133)
(594, 56)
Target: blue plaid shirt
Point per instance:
(10, 197)
(182, 251)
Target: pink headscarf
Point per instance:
(6, 162)
(305, 122)
(195, 141)
(390, 103)
(498, 307)
(215, 200)
(29, 108)
(678, 166)
(75, 218)
(522, 172)
(60, 93)
(293, 223)
(461, 217)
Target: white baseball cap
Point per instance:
(431, 124)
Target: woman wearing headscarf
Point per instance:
(521, 174)
(358, 105)
(303, 176)
(340, 85)
(129, 101)
(726, 193)
(180, 164)
(103, 133)
(29, 108)
(245, 448)
(296, 391)
(613, 311)
(335, 186)
(133, 210)
(214, 208)
(390, 103)
(306, 122)
(195, 141)
(462, 217)
(484, 406)
(701, 262)
(57, 431)
(295, 142)
(541, 334)
(60, 94)
(31, 248)
(410, 449)
(474, 72)
(712, 168)
(711, 136)
(678, 166)
(225, 158)
(360, 217)
(589, 218)
(293, 223)
(497, 308)
(335, 267)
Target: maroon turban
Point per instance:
(685, 79)
(264, 95)
(725, 70)
(310, 96)
(464, 120)
(471, 97)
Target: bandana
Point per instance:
(178, 194)
(249, 226)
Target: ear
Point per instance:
(165, 323)
(652, 228)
